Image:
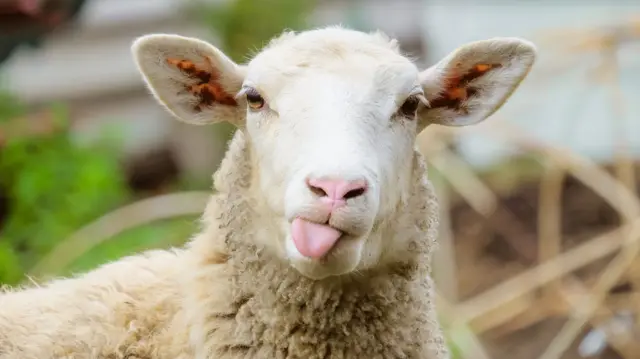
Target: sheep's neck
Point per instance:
(248, 304)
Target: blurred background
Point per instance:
(540, 211)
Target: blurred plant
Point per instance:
(52, 186)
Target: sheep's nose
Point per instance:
(337, 190)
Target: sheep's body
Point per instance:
(121, 308)
(230, 299)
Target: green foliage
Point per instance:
(53, 185)
(9, 108)
(10, 266)
(247, 24)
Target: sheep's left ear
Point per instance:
(195, 81)
(472, 82)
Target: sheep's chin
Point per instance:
(343, 259)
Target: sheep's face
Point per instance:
(332, 116)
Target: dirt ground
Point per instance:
(485, 256)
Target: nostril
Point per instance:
(317, 190)
(354, 193)
(318, 187)
(352, 189)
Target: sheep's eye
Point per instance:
(254, 99)
(410, 106)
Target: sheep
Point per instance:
(317, 240)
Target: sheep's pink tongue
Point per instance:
(313, 240)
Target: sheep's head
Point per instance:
(331, 116)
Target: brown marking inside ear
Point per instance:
(457, 89)
(208, 88)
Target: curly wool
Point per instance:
(226, 295)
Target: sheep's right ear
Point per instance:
(192, 79)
